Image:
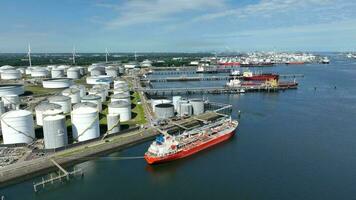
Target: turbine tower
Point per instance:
(73, 55)
(106, 55)
(29, 55)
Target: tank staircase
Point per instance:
(63, 175)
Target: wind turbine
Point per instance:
(29, 54)
(73, 55)
(106, 55)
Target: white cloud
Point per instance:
(147, 11)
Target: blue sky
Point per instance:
(177, 25)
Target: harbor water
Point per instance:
(296, 144)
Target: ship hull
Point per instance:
(263, 77)
(185, 153)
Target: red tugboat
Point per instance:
(168, 148)
(249, 76)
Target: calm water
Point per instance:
(298, 144)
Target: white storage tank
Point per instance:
(55, 131)
(186, 109)
(57, 73)
(63, 101)
(113, 121)
(22, 70)
(82, 89)
(73, 93)
(103, 79)
(164, 111)
(121, 91)
(10, 74)
(179, 103)
(74, 73)
(39, 72)
(100, 92)
(103, 86)
(155, 102)
(85, 122)
(120, 84)
(11, 89)
(92, 98)
(97, 71)
(11, 100)
(111, 71)
(2, 108)
(122, 108)
(175, 100)
(198, 106)
(17, 127)
(121, 97)
(44, 107)
(57, 83)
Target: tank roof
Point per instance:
(53, 117)
(47, 106)
(164, 105)
(59, 98)
(16, 113)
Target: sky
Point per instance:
(177, 25)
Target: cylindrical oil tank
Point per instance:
(43, 107)
(57, 83)
(103, 86)
(113, 123)
(120, 84)
(82, 89)
(10, 74)
(180, 102)
(63, 101)
(121, 97)
(55, 131)
(121, 91)
(73, 93)
(11, 89)
(39, 72)
(122, 108)
(121, 70)
(175, 100)
(17, 127)
(100, 92)
(2, 108)
(57, 73)
(198, 106)
(73, 73)
(22, 70)
(97, 71)
(186, 109)
(11, 100)
(164, 110)
(85, 122)
(103, 79)
(155, 102)
(111, 71)
(92, 98)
